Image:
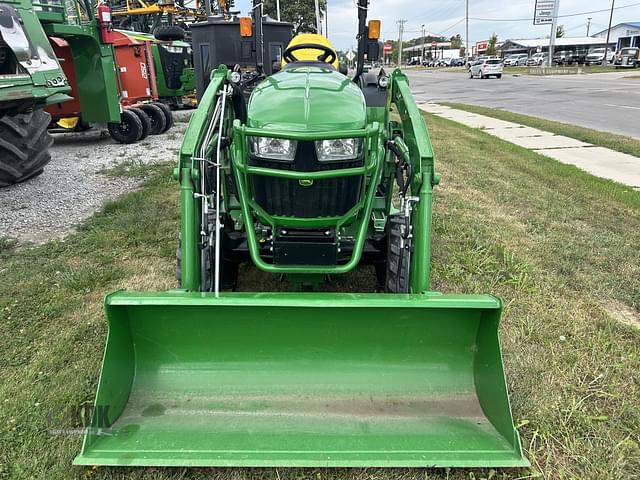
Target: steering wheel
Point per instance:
(327, 55)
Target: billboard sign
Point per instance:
(544, 12)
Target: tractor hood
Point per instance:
(307, 98)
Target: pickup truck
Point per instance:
(567, 57)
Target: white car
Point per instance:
(516, 60)
(488, 67)
(596, 55)
(537, 59)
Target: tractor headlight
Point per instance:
(273, 148)
(338, 149)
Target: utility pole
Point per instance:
(606, 47)
(554, 27)
(326, 20)
(278, 8)
(588, 25)
(400, 23)
(466, 37)
(422, 49)
(318, 16)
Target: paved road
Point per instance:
(603, 101)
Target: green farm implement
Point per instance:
(316, 175)
(30, 79)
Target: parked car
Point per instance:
(596, 55)
(470, 61)
(516, 60)
(456, 62)
(537, 59)
(568, 57)
(489, 67)
(628, 58)
(562, 57)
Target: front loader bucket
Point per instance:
(329, 380)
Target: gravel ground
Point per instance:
(71, 188)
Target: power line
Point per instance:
(529, 19)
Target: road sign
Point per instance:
(434, 44)
(350, 55)
(388, 47)
(544, 12)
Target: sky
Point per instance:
(446, 17)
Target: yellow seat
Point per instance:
(311, 54)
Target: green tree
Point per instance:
(560, 32)
(462, 52)
(493, 41)
(456, 41)
(302, 13)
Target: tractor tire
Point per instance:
(398, 255)
(24, 146)
(229, 273)
(157, 117)
(169, 33)
(168, 115)
(129, 130)
(144, 120)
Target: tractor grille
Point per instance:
(324, 198)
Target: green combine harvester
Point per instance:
(311, 178)
(30, 79)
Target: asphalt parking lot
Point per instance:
(604, 101)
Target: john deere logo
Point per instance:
(305, 182)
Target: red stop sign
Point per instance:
(387, 47)
(434, 44)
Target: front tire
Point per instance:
(144, 120)
(499, 76)
(129, 130)
(158, 119)
(399, 249)
(168, 115)
(24, 146)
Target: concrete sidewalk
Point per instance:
(599, 161)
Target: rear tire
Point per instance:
(157, 117)
(24, 146)
(144, 120)
(129, 130)
(499, 76)
(398, 255)
(168, 115)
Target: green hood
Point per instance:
(307, 98)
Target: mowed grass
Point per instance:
(559, 246)
(619, 143)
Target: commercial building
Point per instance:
(534, 45)
(623, 35)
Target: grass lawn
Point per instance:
(559, 246)
(619, 143)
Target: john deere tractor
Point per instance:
(30, 79)
(317, 174)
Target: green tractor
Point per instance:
(30, 79)
(173, 65)
(317, 174)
